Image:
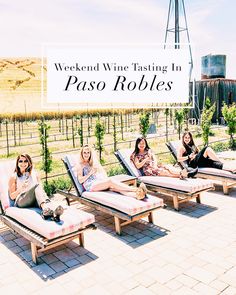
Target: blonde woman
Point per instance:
(94, 178)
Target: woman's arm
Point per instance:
(13, 191)
(180, 156)
(139, 164)
(153, 158)
(80, 176)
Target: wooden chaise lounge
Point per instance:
(180, 190)
(27, 222)
(124, 209)
(227, 179)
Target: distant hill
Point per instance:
(20, 84)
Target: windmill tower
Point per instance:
(177, 28)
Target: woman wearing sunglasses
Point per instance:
(25, 189)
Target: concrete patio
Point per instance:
(192, 251)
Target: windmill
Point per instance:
(177, 34)
(177, 29)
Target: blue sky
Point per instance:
(26, 24)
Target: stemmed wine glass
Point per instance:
(194, 149)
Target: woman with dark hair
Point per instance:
(145, 161)
(25, 189)
(205, 157)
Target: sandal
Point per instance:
(145, 199)
(141, 192)
(188, 173)
(192, 172)
(47, 213)
(57, 213)
(183, 174)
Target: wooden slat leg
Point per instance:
(150, 217)
(198, 199)
(34, 253)
(68, 201)
(81, 239)
(225, 188)
(117, 225)
(176, 203)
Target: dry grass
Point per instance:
(20, 84)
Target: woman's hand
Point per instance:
(192, 156)
(93, 171)
(24, 186)
(147, 159)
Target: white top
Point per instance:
(31, 179)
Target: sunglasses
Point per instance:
(23, 161)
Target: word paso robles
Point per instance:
(121, 84)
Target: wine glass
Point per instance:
(194, 149)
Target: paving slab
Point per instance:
(192, 251)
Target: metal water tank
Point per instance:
(213, 66)
(205, 67)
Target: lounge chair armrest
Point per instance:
(66, 193)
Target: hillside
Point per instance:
(20, 84)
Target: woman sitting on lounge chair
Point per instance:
(94, 178)
(145, 161)
(25, 190)
(205, 157)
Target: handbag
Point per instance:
(26, 199)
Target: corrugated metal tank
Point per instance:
(218, 90)
(213, 66)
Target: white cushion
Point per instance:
(189, 185)
(125, 204)
(6, 170)
(71, 220)
(217, 172)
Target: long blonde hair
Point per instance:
(91, 161)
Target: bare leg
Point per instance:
(113, 185)
(124, 189)
(211, 154)
(168, 173)
(172, 169)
